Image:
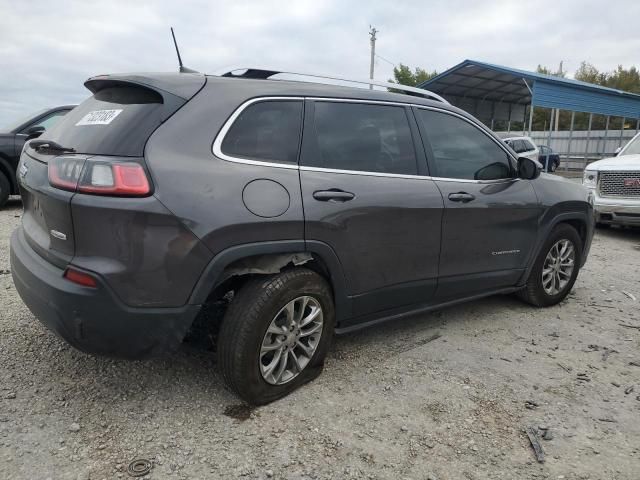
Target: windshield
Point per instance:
(633, 147)
(11, 127)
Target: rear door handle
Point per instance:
(333, 195)
(463, 197)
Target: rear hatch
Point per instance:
(102, 139)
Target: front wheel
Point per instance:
(555, 269)
(275, 334)
(4, 189)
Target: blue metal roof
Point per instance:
(488, 82)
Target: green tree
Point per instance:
(624, 79)
(590, 74)
(403, 75)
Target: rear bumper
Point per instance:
(617, 211)
(93, 319)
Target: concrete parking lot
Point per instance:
(438, 396)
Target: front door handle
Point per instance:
(333, 195)
(463, 197)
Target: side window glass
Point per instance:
(528, 146)
(49, 121)
(461, 150)
(363, 137)
(522, 147)
(267, 130)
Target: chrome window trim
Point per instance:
(399, 175)
(362, 172)
(217, 143)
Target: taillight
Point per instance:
(81, 278)
(99, 177)
(64, 172)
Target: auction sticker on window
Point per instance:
(99, 117)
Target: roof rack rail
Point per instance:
(258, 73)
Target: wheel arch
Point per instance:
(232, 266)
(578, 220)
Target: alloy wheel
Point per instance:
(558, 267)
(291, 340)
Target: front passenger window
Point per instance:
(461, 150)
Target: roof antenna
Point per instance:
(182, 68)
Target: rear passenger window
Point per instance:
(362, 137)
(461, 150)
(267, 130)
(518, 146)
(527, 145)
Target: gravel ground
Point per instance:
(395, 401)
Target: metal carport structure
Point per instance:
(496, 93)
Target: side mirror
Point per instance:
(528, 169)
(34, 132)
(618, 150)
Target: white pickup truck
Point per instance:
(616, 185)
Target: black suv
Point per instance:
(314, 208)
(12, 140)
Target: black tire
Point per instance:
(534, 292)
(245, 324)
(5, 189)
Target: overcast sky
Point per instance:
(48, 49)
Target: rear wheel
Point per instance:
(555, 269)
(5, 189)
(275, 335)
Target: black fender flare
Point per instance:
(546, 229)
(216, 266)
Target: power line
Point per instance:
(388, 61)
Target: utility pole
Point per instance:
(372, 32)
(557, 110)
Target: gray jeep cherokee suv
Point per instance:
(315, 208)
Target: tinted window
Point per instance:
(50, 120)
(517, 146)
(268, 130)
(114, 121)
(528, 145)
(461, 150)
(368, 138)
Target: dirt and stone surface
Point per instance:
(445, 395)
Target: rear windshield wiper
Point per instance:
(49, 145)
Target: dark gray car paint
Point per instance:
(396, 248)
(11, 144)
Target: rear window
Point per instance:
(115, 121)
(518, 146)
(528, 145)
